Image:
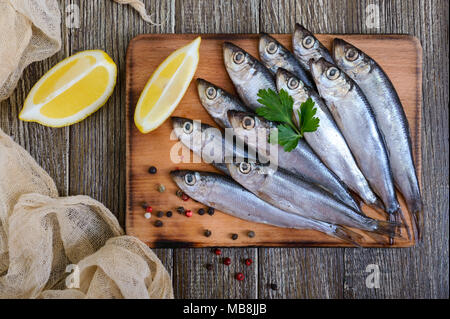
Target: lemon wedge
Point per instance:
(166, 87)
(72, 90)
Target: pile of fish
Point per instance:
(361, 151)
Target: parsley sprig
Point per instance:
(278, 107)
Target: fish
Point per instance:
(209, 143)
(291, 194)
(217, 102)
(274, 55)
(307, 47)
(247, 74)
(390, 117)
(327, 141)
(222, 193)
(356, 120)
(301, 161)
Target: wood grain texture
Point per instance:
(420, 272)
(159, 148)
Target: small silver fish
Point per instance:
(391, 120)
(354, 116)
(274, 55)
(222, 193)
(307, 47)
(301, 161)
(247, 74)
(296, 196)
(217, 102)
(209, 143)
(327, 141)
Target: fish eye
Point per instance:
(351, 55)
(333, 73)
(308, 42)
(245, 168)
(188, 127)
(272, 48)
(248, 123)
(189, 179)
(293, 83)
(211, 93)
(238, 57)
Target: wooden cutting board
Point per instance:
(401, 58)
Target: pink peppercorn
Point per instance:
(188, 213)
(240, 276)
(248, 261)
(227, 261)
(149, 209)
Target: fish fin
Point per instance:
(379, 206)
(389, 228)
(347, 235)
(379, 239)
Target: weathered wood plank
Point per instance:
(422, 271)
(48, 146)
(97, 145)
(191, 280)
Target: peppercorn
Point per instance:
(234, 236)
(158, 223)
(274, 286)
(160, 214)
(161, 188)
(218, 252)
(149, 209)
(152, 170)
(180, 210)
(188, 213)
(207, 233)
(248, 261)
(147, 215)
(209, 267)
(211, 211)
(227, 261)
(201, 211)
(240, 276)
(251, 234)
(169, 214)
(179, 193)
(184, 197)
(144, 205)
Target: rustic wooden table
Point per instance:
(89, 158)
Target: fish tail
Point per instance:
(416, 209)
(347, 235)
(398, 217)
(389, 228)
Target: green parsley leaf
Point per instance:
(308, 123)
(278, 107)
(287, 137)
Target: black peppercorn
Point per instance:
(251, 234)
(169, 214)
(180, 210)
(207, 233)
(158, 223)
(209, 266)
(211, 211)
(152, 170)
(234, 236)
(144, 205)
(160, 214)
(273, 286)
(201, 211)
(179, 193)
